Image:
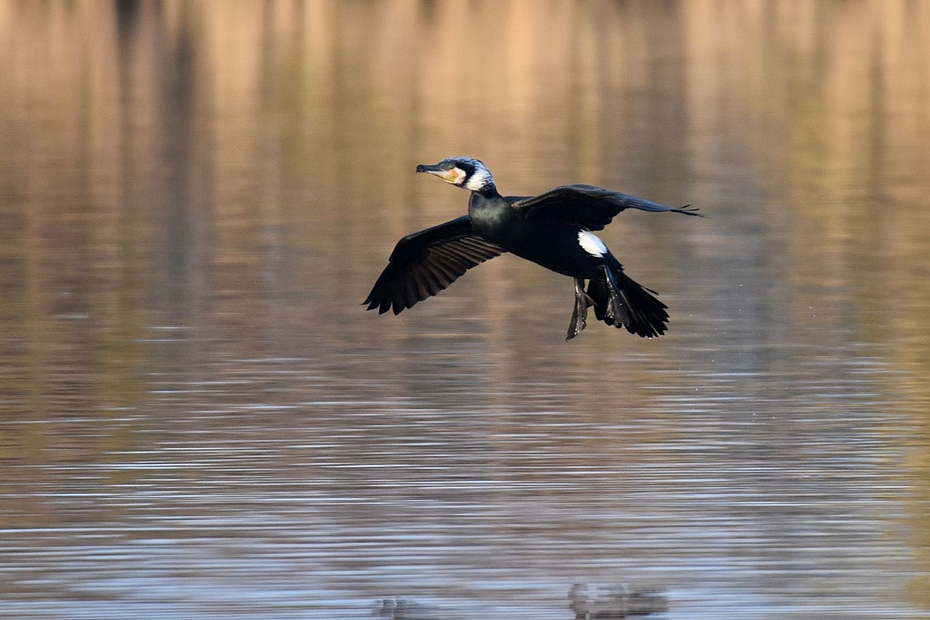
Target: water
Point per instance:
(200, 421)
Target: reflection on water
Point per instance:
(199, 420)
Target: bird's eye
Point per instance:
(447, 165)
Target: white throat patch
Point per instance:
(591, 244)
(454, 176)
(479, 180)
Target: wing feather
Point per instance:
(588, 206)
(426, 262)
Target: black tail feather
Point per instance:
(633, 306)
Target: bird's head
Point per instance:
(463, 172)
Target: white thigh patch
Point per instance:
(591, 244)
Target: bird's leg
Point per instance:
(580, 313)
(615, 308)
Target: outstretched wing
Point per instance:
(426, 262)
(588, 206)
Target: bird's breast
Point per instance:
(494, 219)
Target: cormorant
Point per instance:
(552, 230)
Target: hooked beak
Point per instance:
(452, 175)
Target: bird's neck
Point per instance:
(485, 198)
(489, 191)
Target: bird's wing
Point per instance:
(426, 262)
(588, 206)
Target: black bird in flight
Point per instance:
(552, 230)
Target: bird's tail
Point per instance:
(622, 302)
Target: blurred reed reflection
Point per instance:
(199, 418)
